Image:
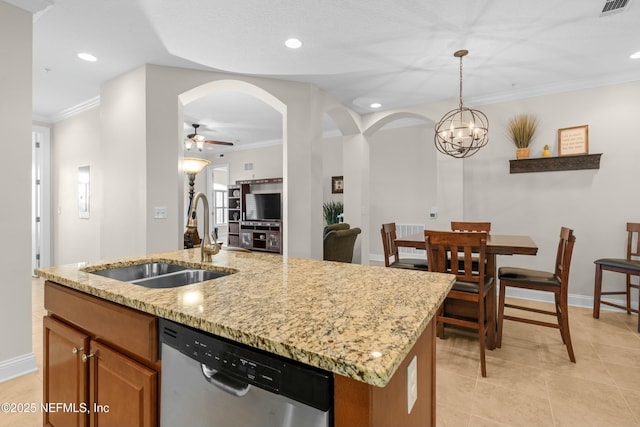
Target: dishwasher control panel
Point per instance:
(249, 365)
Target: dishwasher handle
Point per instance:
(225, 383)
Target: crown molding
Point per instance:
(70, 112)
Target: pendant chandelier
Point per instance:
(463, 131)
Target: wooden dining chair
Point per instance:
(470, 226)
(388, 232)
(556, 282)
(472, 287)
(466, 226)
(629, 266)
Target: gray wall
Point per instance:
(16, 356)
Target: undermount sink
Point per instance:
(160, 275)
(179, 278)
(140, 271)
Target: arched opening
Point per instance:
(242, 114)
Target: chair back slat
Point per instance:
(563, 257)
(470, 226)
(456, 253)
(633, 240)
(388, 232)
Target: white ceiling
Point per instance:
(396, 52)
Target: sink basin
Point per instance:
(179, 278)
(141, 271)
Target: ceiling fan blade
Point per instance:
(210, 141)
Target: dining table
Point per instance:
(497, 244)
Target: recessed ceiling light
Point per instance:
(87, 57)
(293, 43)
(635, 55)
(375, 105)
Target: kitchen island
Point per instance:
(362, 323)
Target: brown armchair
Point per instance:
(338, 242)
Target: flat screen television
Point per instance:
(263, 207)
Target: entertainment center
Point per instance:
(255, 214)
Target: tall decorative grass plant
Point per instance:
(331, 210)
(521, 129)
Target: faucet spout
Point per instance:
(207, 247)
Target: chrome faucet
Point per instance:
(207, 248)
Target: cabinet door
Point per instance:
(65, 374)
(123, 392)
(273, 241)
(247, 239)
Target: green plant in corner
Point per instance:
(521, 129)
(331, 210)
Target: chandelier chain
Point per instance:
(461, 82)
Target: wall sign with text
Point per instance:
(573, 141)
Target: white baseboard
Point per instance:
(18, 366)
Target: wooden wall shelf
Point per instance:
(550, 164)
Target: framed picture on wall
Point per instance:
(574, 140)
(337, 184)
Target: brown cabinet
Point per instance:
(100, 362)
(261, 236)
(234, 203)
(254, 235)
(66, 375)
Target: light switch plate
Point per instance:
(412, 383)
(160, 212)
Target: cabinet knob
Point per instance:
(86, 357)
(76, 350)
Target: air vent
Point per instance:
(170, 332)
(614, 6)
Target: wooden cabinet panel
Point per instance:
(65, 374)
(360, 404)
(123, 392)
(133, 332)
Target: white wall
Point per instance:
(16, 357)
(331, 166)
(595, 203)
(123, 150)
(403, 179)
(76, 143)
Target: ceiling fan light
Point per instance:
(200, 144)
(188, 144)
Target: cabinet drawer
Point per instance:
(132, 332)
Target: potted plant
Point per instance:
(521, 130)
(331, 210)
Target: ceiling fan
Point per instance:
(199, 140)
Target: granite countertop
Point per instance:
(354, 320)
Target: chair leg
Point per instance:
(559, 315)
(629, 294)
(481, 335)
(597, 292)
(500, 315)
(564, 330)
(491, 310)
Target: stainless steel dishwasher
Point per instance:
(211, 381)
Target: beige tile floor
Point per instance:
(530, 381)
